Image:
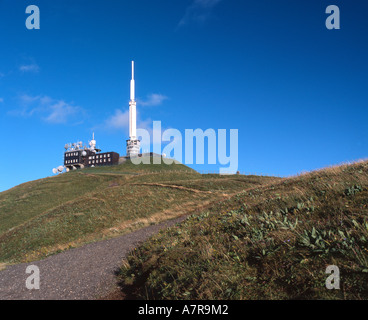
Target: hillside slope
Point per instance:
(271, 242)
(50, 215)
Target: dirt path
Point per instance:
(82, 273)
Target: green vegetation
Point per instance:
(269, 242)
(47, 216)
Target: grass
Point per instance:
(26, 201)
(270, 241)
(50, 215)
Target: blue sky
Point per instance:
(297, 92)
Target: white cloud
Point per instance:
(26, 99)
(29, 68)
(50, 110)
(198, 12)
(120, 120)
(61, 112)
(154, 99)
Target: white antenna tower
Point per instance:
(133, 144)
(132, 108)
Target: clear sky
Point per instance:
(297, 92)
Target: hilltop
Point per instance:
(50, 215)
(271, 242)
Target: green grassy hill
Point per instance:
(46, 216)
(271, 242)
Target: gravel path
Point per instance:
(82, 273)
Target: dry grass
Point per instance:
(172, 186)
(273, 241)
